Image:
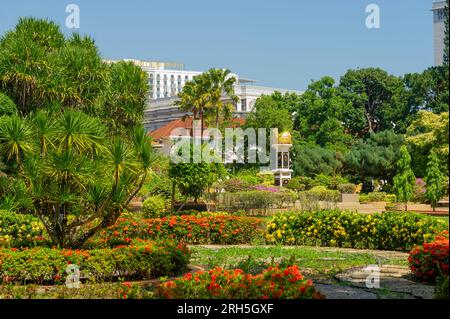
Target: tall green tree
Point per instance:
(426, 91)
(268, 114)
(428, 133)
(378, 95)
(405, 179)
(434, 180)
(323, 116)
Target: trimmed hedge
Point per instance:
(204, 228)
(256, 200)
(389, 231)
(429, 261)
(140, 260)
(273, 283)
(319, 193)
(19, 230)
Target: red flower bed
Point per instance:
(202, 229)
(218, 283)
(431, 259)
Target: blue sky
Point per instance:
(283, 43)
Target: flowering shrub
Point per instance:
(20, 230)
(389, 231)
(140, 260)
(430, 260)
(218, 283)
(194, 229)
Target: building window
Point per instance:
(244, 104)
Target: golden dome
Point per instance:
(285, 138)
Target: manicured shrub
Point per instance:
(234, 185)
(273, 283)
(154, 207)
(330, 182)
(17, 230)
(319, 193)
(388, 231)
(256, 200)
(140, 260)
(377, 197)
(347, 188)
(202, 229)
(430, 260)
(296, 185)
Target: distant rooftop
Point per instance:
(160, 65)
(438, 5)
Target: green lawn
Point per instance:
(313, 261)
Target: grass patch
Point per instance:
(312, 261)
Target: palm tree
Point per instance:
(221, 86)
(196, 98)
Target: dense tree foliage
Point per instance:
(71, 140)
(428, 133)
(374, 157)
(41, 69)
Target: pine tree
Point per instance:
(405, 180)
(434, 180)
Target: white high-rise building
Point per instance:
(439, 27)
(166, 80)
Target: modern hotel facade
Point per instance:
(438, 30)
(167, 79)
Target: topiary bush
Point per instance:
(347, 188)
(387, 231)
(269, 198)
(154, 207)
(140, 260)
(320, 193)
(296, 185)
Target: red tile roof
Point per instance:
(164, 131)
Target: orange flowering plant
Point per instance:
(431, 259)
(218, 283)
(192, 229)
